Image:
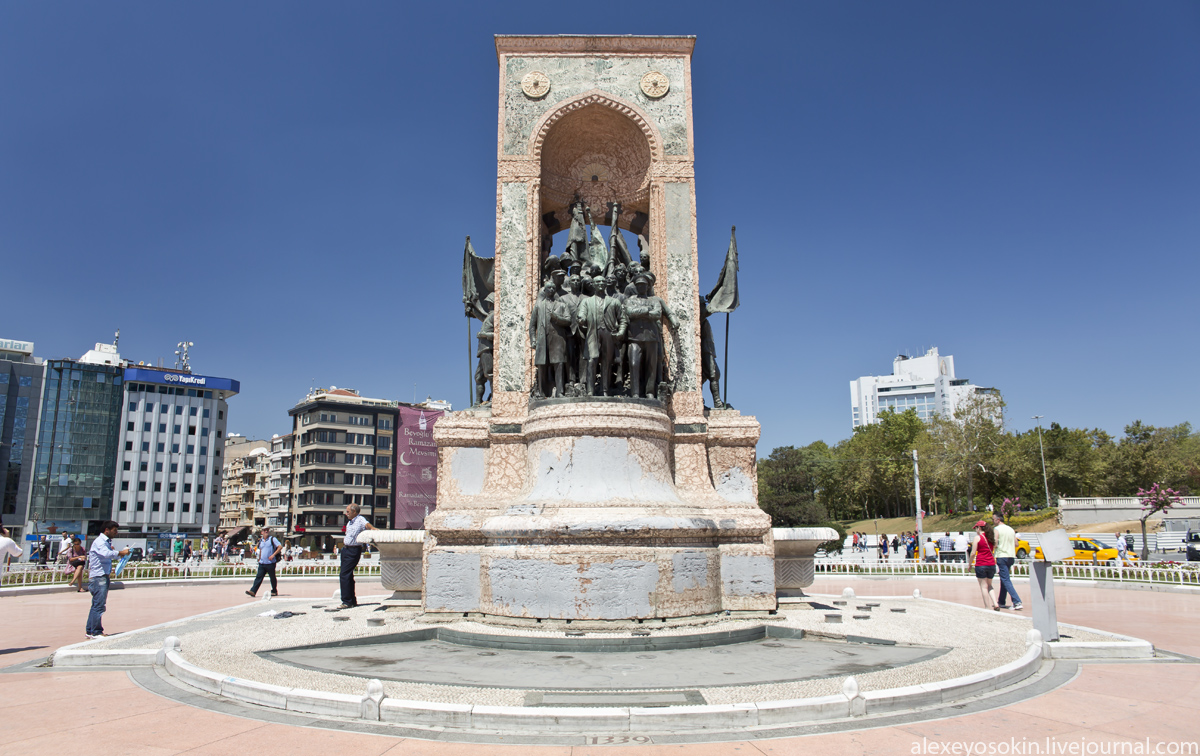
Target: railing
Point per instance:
(21, 575)
(1165, 575)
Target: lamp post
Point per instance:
(1042, 451)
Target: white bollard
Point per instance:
(848, 593)
(916, 593)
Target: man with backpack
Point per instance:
(268, 554)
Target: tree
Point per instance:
(1155, 500)
(971, 440)
(788, 484)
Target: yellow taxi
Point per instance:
(1088, 551)
(1023, 549)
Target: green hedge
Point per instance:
(1032, 518)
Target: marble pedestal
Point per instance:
(399, 560)
(597, 510)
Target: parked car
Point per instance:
(1023, 549)
(1088, 551)
(158, 556)
(136, 554)
(1192, 541)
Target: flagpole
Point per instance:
(726, 358)
(470, 371)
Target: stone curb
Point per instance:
(430, 715)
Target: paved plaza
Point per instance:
(1108, 702)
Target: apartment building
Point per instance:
(240, 491)
(279, 487)
(344, 454)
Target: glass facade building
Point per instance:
(20, 396)
(78, 435)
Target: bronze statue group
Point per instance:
(596, 328)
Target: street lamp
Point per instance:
(1042, 450)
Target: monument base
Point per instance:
(596, 510)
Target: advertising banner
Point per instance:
(416, 467)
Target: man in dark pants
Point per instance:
(268, 554)
(100, 558)
(351, 553)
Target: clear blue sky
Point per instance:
(288, 184)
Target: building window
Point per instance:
(187, 468)
(171, 487)
(149, 407)
(174, 467)
(124, 506)
(157, 486)
(383, 461)
(191, 448)
(162, 409)
(133, 406)
(143, 466)
(127, 465)
(385, 442)
(220, 414)
(154, 507)
(129, 425)
(192, 412)
(158, 466)
(203, 431)
(199, 488)
(192, 429)
(161, 446)
(141, 506)
(205, 414)
(170, 506)
(129, 446)
(204, 451)
(141, 485)
(175, 429)
(162, 427)
(381, 481)
(174, 448)
(201, 471)
(146, 446)
(187, 506)
(187, 487)
(124, 485)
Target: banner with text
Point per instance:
(416, 467)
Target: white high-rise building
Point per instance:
(925, 384)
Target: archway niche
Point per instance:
(603, 156)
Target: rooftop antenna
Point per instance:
(181, 356)
(116, 338)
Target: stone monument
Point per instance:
(562, 500)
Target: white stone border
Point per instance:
(374, 707)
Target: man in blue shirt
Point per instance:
(268, 554)
(351, 553)
(99, 567)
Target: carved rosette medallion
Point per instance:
(655, 84)
(535, 85)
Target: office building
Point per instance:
(172, 432)
(926, 384)
(343, 455)
(20, 403)
(77, 443)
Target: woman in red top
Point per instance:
(984, 558)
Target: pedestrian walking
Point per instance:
(1122, 549)
(350, 554)
(1006, 557)
(984, 558)
(268, 555)
(99, 568)
(962, 545)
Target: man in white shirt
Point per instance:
(962, 545)
(1005, 550)
(351, 553)
(99, 566)
(8, 548)
(1122, 549)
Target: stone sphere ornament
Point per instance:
(535, 85)
(655, 84)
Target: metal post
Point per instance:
(726, 400)
(920, 518)
(1041, 584)
(1042, 450)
